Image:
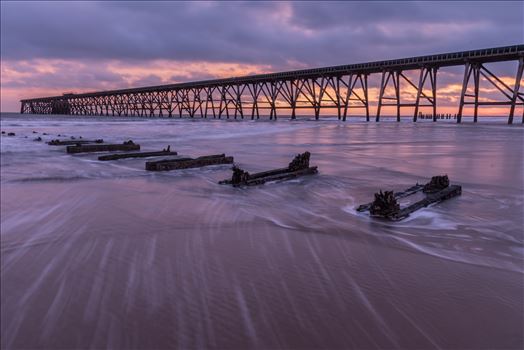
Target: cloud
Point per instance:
(317, 33)
(102, 45)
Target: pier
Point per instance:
(342, 88)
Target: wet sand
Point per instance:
(98, 255)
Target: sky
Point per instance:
(48, 48)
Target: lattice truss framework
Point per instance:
(289, 92)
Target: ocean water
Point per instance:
(104, 254)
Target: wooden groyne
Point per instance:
(299, 166)
(126, 146)
(186, 163)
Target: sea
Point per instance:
(108, 255)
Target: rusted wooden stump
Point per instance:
(186, 163)
(386, 206)
(397, 195)
(437, 183)
(299, 166)
(126, 146)
(71, 142)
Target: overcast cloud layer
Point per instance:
(50, 47)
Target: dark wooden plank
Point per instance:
(281, 176)
(186, 163)
(268, 173)
(431, 198)
(136, 155)
(72, 142)
(103, 148)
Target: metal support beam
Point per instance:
(516, 89)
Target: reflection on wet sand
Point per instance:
(103, 254)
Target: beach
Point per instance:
(105, 254)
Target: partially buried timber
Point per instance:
(186, 163)
(299, 166)
(165, 152)
(126, 146)
(73, 142)
(385, 205)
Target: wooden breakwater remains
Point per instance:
(125, 146)
(299, 166)
(186, 163)
(385, 204)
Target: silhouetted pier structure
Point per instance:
(342, 87)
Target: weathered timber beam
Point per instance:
(258, 179)
(103, 148)
(186, 163)
(136, 155)
(72, 142)
(449, 192)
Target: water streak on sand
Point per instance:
(105, 254)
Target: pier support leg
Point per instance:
(397, 92)
(467, 73)
(476, 81)
(434, 91)
(422, 79)
(381, 94)
(366, 96)
(347, 97)
(516, 89)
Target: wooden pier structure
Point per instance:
(342, 88)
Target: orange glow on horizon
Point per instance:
(27, 79)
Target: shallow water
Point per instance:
(104, 254)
